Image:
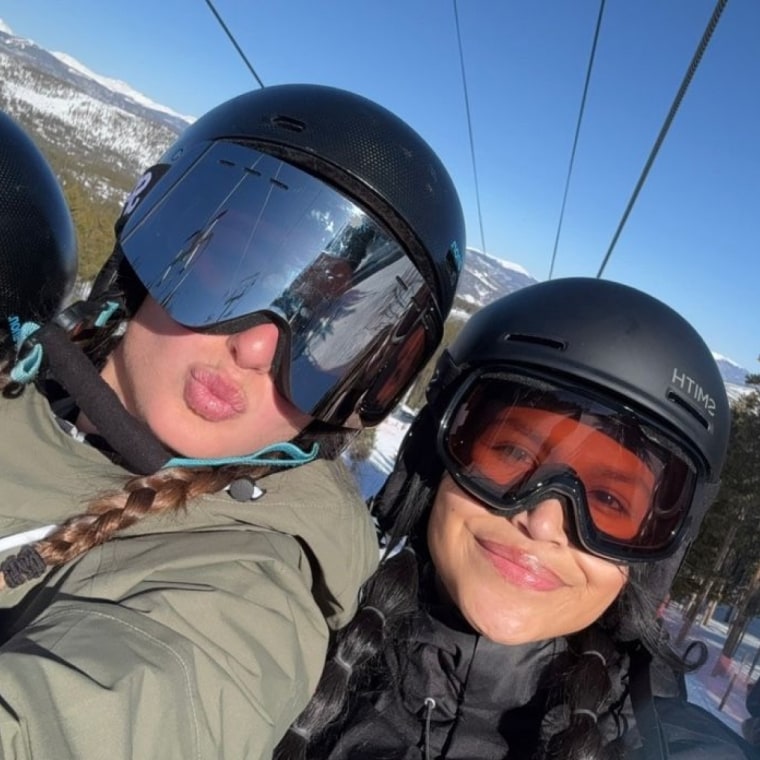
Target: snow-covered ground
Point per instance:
(708, 687)
(720, 680)
(372, 472)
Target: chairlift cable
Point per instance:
(575, 139)
(713, 22)
(469, 129)
(234, 42)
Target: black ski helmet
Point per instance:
(38, 254)
(305, 140)
(612, 340)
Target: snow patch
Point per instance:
(720, 358)
(118, 86)
(459, 314)
(503, 262)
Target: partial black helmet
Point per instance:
(38, 253)
(545, 384)
(322, 211)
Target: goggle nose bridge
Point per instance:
(559, 482)
(548, 481)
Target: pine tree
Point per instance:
(724, 562)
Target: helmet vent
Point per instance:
(688, 408)
(289, 123)
(538, 340)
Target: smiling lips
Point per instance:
(520, 568)
(212, 397)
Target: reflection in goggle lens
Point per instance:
(243, 232)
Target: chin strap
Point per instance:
(130, 438)
(141, 451)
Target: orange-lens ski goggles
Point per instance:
(513, 441)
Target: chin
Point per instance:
(508, 637)
(501, 631)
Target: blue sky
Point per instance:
(690, 239)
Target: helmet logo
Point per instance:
(454, 257)
(692, 388)
(134, 197)
(14, 323)
(140, 190)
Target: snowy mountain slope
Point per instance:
(102, 131)
(487, 278)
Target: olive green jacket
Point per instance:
(190, 636)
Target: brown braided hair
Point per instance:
(166, 491)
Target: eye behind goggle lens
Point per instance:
(512, 441)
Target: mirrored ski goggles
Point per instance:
(243, 232)
(513, 442)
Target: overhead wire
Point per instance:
(234, 42)
(703, 43)
(575, 139)
(469, 129)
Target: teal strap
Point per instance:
(23, 332)
(109, 307)
(26, 369)
(295, 456)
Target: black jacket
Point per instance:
(753, 700)
(445, 692)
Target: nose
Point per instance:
(544, 522)
(255, 348)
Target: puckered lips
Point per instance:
(212, 396)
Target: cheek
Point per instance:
(445, 541)
(146, 361)
(461, 571)
(146, 368)
(437, 533)
(613, 576)
(605, 579)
